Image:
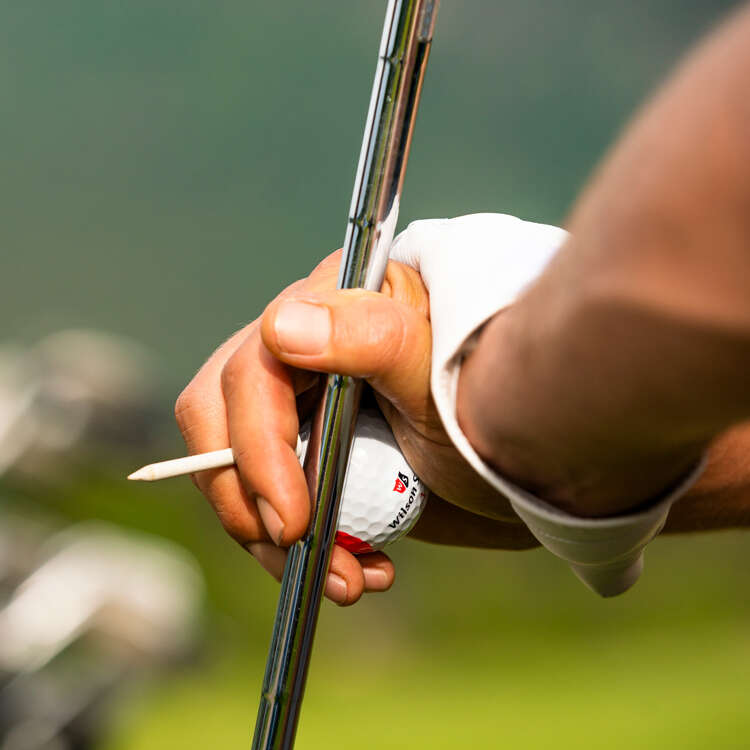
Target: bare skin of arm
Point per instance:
(628, 359)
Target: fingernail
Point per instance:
(376, 579)
(336, 588)
(271, 520)
(302, 328)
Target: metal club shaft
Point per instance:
(404, 50)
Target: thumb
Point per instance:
(359, 333)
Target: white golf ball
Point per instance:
(382, 497)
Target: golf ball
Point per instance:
(382, 497)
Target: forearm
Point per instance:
(610, 377)
(721, 498)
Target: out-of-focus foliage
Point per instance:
(168, 166)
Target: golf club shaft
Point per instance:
(404, 50)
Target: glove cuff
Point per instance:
(473, 267)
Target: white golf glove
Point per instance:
(474, 266)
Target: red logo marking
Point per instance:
(399, 486)
(352, 544)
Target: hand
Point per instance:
(254, 389)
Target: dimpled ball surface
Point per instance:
(383, 497)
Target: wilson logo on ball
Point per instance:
(402, 482)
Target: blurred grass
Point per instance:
(168, 166)
(471, 647)
(445, 661)
(584, 693)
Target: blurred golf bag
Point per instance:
(91, 609)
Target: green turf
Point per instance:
(489, 649)
(470, 648)
(681, 688)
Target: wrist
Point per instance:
(514, 420)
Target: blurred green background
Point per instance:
(167, 166)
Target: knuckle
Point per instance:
(184, 407)
(193, 409)
(232, 373)
(330, 262)
(387, 335)
(365, 321)
(364, 341)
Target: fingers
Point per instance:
(245, 397)
(263, 427)
(199, 409)
(261, 421)
(348, 578)
(358, 333)
(203, 415)
(378, 571)
(200, 412)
